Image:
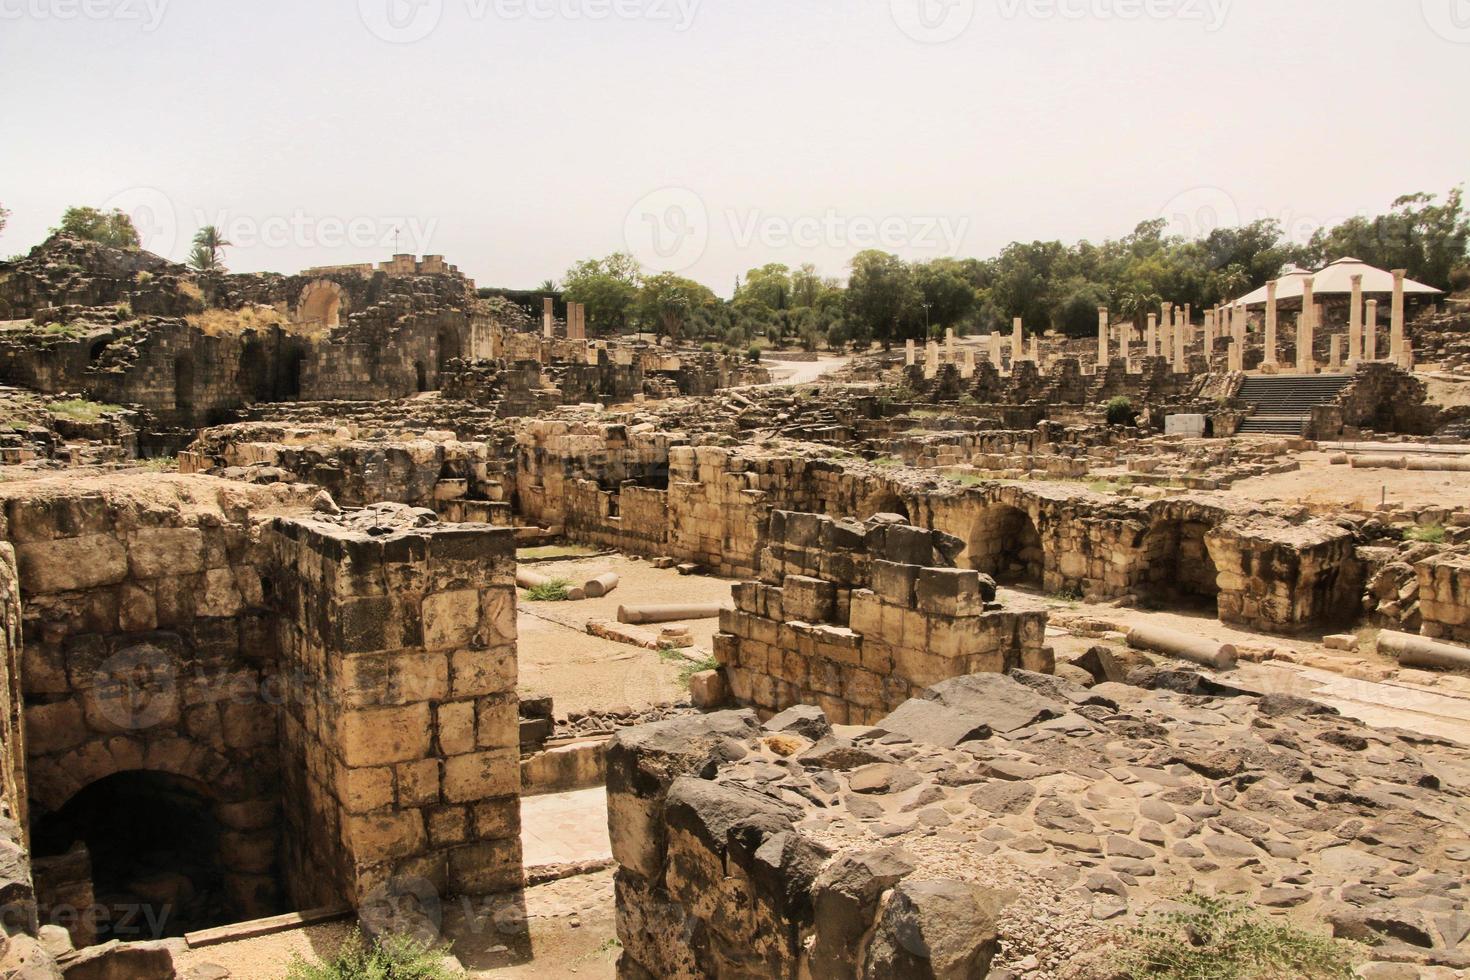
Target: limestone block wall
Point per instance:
(857, 618)
(149, 647)
(1444, 597)
(400, 736)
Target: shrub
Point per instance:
(1224, 940)
(1120, 411)
(1433, 533)
(753, 353)
(388, 958)
(555, 590)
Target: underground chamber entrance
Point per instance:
(150, 844)
(1178, 567)
(1005, 545)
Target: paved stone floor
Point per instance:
(565, 828)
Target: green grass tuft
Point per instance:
(82, 410)
(1433, 533)
(388, 958)
(1224, 940)
(687, 668)
(556, 590)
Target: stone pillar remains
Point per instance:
(1180, 339)
(967, 364)
(1355, 322)
(1396, 318)
(908, 352)
(1036, 350)
(1370, 331)
(1334, 356)
(949, 345)
(1153, 335)
(1305, 363)
(931, 359)
(547, 317)
(995, 355)
(1233, 356)
(1102, 336)
(1271, 288)
(1018, 342)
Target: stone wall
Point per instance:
(856, 618)
(401, 737)
(1444, 597)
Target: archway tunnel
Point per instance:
(1005, 544)
(1177, 567)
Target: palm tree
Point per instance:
(1136, 301)
(548, 286)
(208, 244)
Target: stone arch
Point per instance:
(886, 502)
(1175, 563)
(1004, 543)
(321, 304)
(447, 347)
(99, 346)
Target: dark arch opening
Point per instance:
(184, 383)
(890, 504)
(289, 385)
(154, 846)
(94, 353)
(1005, 545)
(421, 377)
(1177, 565)
(254, 375)
(447, 348)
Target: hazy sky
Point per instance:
(710, 136)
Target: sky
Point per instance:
(707, 137)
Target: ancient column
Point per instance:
(949, 345)
(1153, 335)
(995, 355)
(967, 364)
(1271, 288)
(1334, 357)
(931, 359)
(908, 352)
(1396, 318)
(1036, 350)
(1305, 364)
(1018, 342)
(546, 317)
(1102, 337)
(1234, 361)
(1355, 323)
(1370, 331)
(1181, 337)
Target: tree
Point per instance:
(882, 299)
(4, 216)
(608, 288)
(946, 292)
(1428, 239)
(208, 244)
(672, 302)
(548, 286)
(112, 228)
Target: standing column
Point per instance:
(949, 345)
(1334, 357)
(1271, 288)
(546, 317)
(931, 359)
(995, 357)
(1153, 335)
(1181, 326)
(1102, 337)
(1355, 323)
(1396, 321)
(1018, 342)
(908, 352)
(1305, 363)
(967, 364)
(1370, 331)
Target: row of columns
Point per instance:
(576, 320)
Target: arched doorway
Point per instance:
(154, 847)
(1005, 545)
(447, 348)
(320, 304)
(254, 374)
(889, 503)
(1177, 567)
(421, 377)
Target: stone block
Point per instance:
(895, 583)
(418, 782)
(498, 722)
(172, 551)
(478, 775)
(71, 564)
(949, 592)
(385, 835)
(456, 726)
(479, 672)
(377, 736)
(486, 867)
(707, 690)
(451, 620)
(808, 599)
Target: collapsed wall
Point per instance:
(857, 618)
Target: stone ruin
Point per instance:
(299, 654)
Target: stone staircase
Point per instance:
(1284, 402)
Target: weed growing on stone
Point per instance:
(1433, 533)
(556, 590)
(1223, 940)
(388, 958)
(82, 410)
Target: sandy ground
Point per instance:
(1320, 482)
(580, 671)
(803, 372)
(266, 957)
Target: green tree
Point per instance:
(882, 299)
(206, 255)
(607, 287)
(112, 228)
(4, 216)
(672, 302)
(946, 292)
(1426, 238)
